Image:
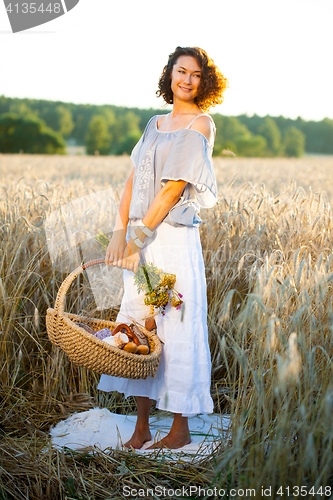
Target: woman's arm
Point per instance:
(117, 245)
(165, 199)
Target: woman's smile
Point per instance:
(185, 89)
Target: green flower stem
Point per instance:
(147, 278)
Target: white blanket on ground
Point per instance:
(102, 429)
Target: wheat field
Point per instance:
(267, 248)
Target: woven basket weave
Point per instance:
(86, 350)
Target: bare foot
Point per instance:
(172, 441)
(138, 439)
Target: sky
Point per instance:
(276, 54)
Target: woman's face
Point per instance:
(185, 78)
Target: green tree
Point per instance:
(253, 145)
(28, 134)
(128, 143)
(229, 146)
(294, 142)
(270, 131)
(21, 109)
(98, 137)
(59, 118)
(125, 132)
(319, 136)
(229, 131)
(110, 118)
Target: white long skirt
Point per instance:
(182, 381)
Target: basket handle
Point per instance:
(60, 300)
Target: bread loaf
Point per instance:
(141, 336)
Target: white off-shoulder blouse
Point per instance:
(183, 154)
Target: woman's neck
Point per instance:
(182, 107)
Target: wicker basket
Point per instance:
(86, 350)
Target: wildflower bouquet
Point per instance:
(157, 285)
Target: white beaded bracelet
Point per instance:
(133, 233)
(138, 242)
(145, 229)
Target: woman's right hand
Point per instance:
(115, 250)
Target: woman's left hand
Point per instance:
(131, 256)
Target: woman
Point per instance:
(171, 179)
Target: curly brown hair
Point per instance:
(212, 82)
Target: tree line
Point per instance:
(39, 126)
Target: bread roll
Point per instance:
(143, 349)
(131, 347)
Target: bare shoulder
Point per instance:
(204, 125)
(160, 120)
